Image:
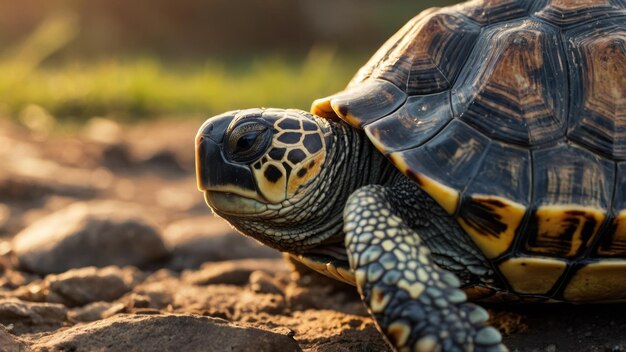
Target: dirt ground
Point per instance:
(106, 245)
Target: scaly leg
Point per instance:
(417, 305)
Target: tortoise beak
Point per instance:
(214, 172)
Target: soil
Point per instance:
(106, 245)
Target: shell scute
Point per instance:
(545, 273)
(511, 115)
(613, 241)
(573, 189)
(487, 12)
(420, 118)
(497, 198)
(361, 104)
(426, 55)
(599, 281)
(513, 87)
(573, 12)
(450, 159)
(598, 70)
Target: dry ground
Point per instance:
(103, 239)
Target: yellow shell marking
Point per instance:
(445, 196)
(321, 107)
(494, 235)
(532, 275)
(617, 245)
(555, 221)
(601, 281)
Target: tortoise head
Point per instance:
(256, 166)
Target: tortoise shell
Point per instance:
(511, 114)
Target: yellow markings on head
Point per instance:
(601, 281)
(295, 158)
(615, 245)
(532, 275)
(305, 172)
(564, 229)
(271, 181)
(491, 222)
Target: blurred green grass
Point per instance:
(134, 88)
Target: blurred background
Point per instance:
(101, 99)
(127, 60)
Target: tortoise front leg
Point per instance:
(417, 305)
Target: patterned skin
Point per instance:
(352, 231)
(480, 153)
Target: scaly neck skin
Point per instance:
(352, 163)
(316, 217)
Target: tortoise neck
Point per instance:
(352, 163)
(363, 164)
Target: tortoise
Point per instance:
(479, 155)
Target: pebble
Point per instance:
(205, 239)
(27, 317)
(165, 333)
(78, 287)
(232, 272)
(97, 233)
(10, 343)
(95, 311)
(261, 282)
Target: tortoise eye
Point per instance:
(248, 142)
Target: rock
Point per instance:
(9, 343)
(165, 333)
(233, 272)
(155, 295)
(31, 177)
(202, 239)
(261, 282)
(165, 161)
(29, 317)
(78, 287)
(13, 279)
(307, 286)
(97, 233)
(95, 311)
(117, 156)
